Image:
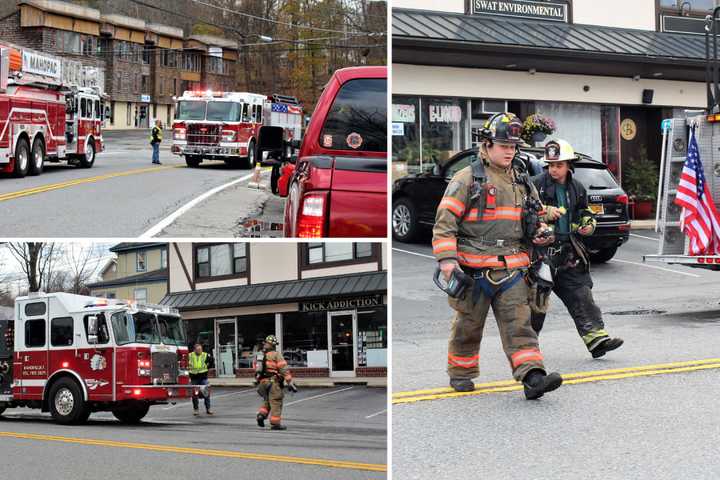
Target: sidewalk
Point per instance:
(309, 382)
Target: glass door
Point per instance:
(342, 331)
(226, 347)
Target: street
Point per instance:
(123, 195)
(643, 411)
(332, 433)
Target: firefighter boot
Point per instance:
(196, 412)
(260, 420)
(278, 427)
(536, 383)
(462, 384)
(606, 346)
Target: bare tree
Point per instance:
(36, 260)
(81, 265)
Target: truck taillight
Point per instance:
(713, 118)
(228, 135)
(311, 218)
(179, 134)
(622, 199)
(144, 365)
(183, 364)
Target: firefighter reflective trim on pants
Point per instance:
(501, 213)
(593, 336)
(263, 411)
(454, 205)
(275, 420)
(493, 261)
(444, 245)
(525, 356)
(463, 362)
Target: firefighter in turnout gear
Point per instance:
(566, 205)
(481, 228)
(272, 374)
(199, 363)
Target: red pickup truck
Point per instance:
(338, 187)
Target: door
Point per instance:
(225, 347)
(342, 332)
(33, 343)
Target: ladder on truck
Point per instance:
(674, 244)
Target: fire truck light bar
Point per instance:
(713, 118)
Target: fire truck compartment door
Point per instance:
(31, 349)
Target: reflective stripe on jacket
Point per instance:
(275, 365)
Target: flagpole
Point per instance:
(659, 201)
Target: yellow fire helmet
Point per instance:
(559, 151)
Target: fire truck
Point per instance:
(674, 244)
(73, 355)
(227, 126)
(51, 109)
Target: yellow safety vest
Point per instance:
(198, 363)
(159, 133)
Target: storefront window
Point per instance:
(405, 135)
(610, 125)
(200, 331)
(305, 336)
(444, 129)
(481, 110)
(372, 337)
(252, 330)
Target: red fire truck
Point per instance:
(226, 125)
(44, 116)
(73, 355)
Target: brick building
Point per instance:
(219, 58)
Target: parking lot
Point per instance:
(638, 412)
(332, 433)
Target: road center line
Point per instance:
(80, 181)
(318, 396)
(373, 467)
(656, 268)
(414, 253)
(159, 227)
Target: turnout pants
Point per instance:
(512, 314)
(196, 394)
(574, 287)
(272, 405)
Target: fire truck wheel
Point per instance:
(131, 414)
(38, 157)
(192, 161)
(2, 409)
(87, 160)
(66, 402)
(603, 255)
(22, 158)
(250, 160)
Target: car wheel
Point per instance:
(22, 159)
(132, 414)
(404, 220)
(2, 410)
(37, 158)
(87, 160)
(603, 255)
(67, 405)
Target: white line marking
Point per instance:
(318, 396)
(180, 211)
(376, 414)
(414, 253)
(646, 238)
(656, 268)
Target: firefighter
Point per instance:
(566, 205)
(480, 228)
(155, 139)
(271, 374)
(200, 363)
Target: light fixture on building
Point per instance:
(586, 88)
(532, 71)
(511, 65)
(636, 78)
(657, 74)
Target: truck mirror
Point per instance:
(92, 329)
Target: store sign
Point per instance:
(403, 113)
(628, 129)
(341, 304)
(145, 98)
(41, 65)
(398, 129)
(445, 113)
(521, 8)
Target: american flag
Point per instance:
(283, 108)
(699, 218)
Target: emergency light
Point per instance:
(713, 118)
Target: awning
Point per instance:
(453, 39)
(279, 292)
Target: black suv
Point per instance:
(416, 197)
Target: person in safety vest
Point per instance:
(486, 222)
(565, 201)
(271, 374)
(199, 364)
(156, 137)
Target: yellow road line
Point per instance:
(569, 379)
(80, 181)
(204, 452)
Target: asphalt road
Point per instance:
(332, 433)
(644, 419)
(125, 196)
